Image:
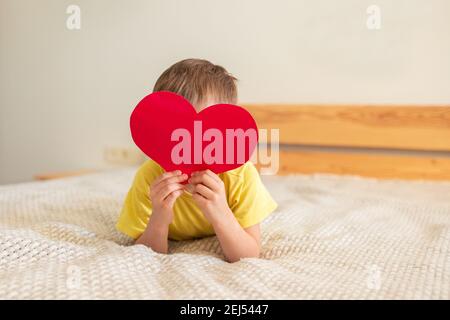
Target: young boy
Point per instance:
(230, 205)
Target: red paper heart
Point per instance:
(161, 121)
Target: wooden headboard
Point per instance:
(409, 142)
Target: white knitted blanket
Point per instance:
(332, 237)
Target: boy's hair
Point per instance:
(196, 80)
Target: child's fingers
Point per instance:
(198, 198)
(164, 192)
(170, 180)
(166, 175)
(213, 175)
(204, 191)
(165, 183)
(160, 192)
(171, 198)
(205, 179)
(208, 172)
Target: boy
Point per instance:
(230, 205)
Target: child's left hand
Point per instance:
(209, 195)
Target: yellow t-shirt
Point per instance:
(247, 197)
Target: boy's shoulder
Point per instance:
(246, 172)
(149, 171)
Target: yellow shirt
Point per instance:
(247, 197)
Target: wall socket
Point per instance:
(123, 156)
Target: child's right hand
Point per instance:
(163, 193)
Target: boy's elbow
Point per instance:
(233, 259)
(161, 250)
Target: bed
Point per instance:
(338, 234)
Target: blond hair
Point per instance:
(197, 80)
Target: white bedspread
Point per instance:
(332, 237)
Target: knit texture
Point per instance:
(332, 237)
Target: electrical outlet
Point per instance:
(123, 156)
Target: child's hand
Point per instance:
(209, 195)
(163, 193)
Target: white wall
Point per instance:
(65, 95)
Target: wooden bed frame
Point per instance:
(408, 142)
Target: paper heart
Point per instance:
(163, 122)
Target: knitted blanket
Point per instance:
(332, 237)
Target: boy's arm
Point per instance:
(236, 242)
(155, 236)
(163, 193)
